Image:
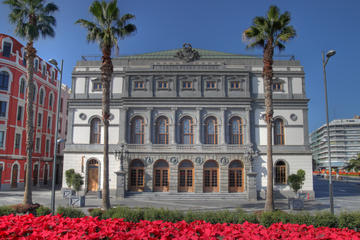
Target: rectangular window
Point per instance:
(52, 75)
(47, 146)
(39, 120)
(43, 71)
(20, 113)
(97, 86)
(211, 84)
(22, 86)
(6, 49)
(139, 85)
(235, 85)
(2, 138)
(277, 87)
(61, 105)
(163, 84)
(37, 145)
(17, 140)
(187, 84)
(3, 108)
(36, 65)
(49, 122)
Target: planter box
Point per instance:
(77, 201)
(296, 203)
(99, 194)
(67, 193)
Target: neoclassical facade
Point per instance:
(191, 120)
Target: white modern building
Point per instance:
(192, 121)
(344, 143)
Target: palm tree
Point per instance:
(33, 18)
(354, 164)
(268, 33)
(106, 30)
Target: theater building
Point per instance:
(191, 121)
(13, 116)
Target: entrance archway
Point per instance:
(211, 176)
(136, 181)
(161, 176)
(14, 177)
(236, 176)
(93, 175)
(186, 176)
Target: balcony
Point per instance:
(224, 148)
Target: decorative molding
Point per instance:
(82, 116)
(174, 160)
(199, 161)
(293, 117)
(224, 161)
(148, 160)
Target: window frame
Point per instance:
(133, 134)
(280, 169)
(187, 84)
(2, 82)
(96, 86)
(95, 136)
(236, 139)
(3, 112)
(17, 142)
(37, 146)
(211, 85)
(139, 84)
(5, 47)
(279, 137)
(158, 134)
(215, 138)
(184, 134)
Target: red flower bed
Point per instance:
(56, 227)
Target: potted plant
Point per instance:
(296, 181)
(77, 182)
(68, 192)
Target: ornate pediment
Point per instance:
(187, 53)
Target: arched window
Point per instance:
(211, 131)
(36, 65)
(51, 100)
(22, 86)
(162, 130)
(137, 130)
(280, 172)
(41, 97)
(186, 131)
(4, 80)
(236, 131)
(279, 137)
(43, 71)
(6, 49)
(95, 131)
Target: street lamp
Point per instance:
(120, 154)
(329, 54)
(54, 62)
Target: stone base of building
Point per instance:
(285, 194)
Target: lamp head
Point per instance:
(53, 62)
(330, 53)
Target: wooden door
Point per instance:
(186, 176)
(35, 174)
(161, 181)
(14, 176)
(46, 170)
(136, 179)
(236, 180)
(93, 175)
(211, 180)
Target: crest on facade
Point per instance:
(174, 160)
(148, 160)
(199, 160)
(187, 53)
(224, 161)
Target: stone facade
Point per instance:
(213, 85)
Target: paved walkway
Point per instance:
(346, 198)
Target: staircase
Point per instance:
(166, 196)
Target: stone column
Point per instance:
(222, 132)
(120, 184)
(172, 127)
(247, 139)
(173, 184)
(251, 186)
(148, 127)
(224, 177)
(198, 128)
(122, 125)
(198, 177)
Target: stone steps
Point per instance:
(185, 196)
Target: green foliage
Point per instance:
(42, 211)
(297, 180)
(354, 164)
(96, 212)
(268, 218)
(70, 212)
(68, 176)
(6, 210)
(77, 181)
(349, 220)
(301, 218)
(325, 219)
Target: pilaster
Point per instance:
(248, 127)
(123, 125)
(148, 126)
(222, 127)
(172, 127)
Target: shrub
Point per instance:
(301, 218)
(268, 218)
(325, 219)
(70, 212)
(68, 177)
(25, 208)
(77, 181)
(152, 214)
(129, 215)
(42, 211)
(96, 212)
(6, 210)
(350, 220)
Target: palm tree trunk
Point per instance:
(268, 75)
(106, 73)
(30, 55)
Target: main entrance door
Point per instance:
(14, 176)
(35, 174)
(236, 176)
(93, 175)
(161, 176)
(46, 170)
(186, 176)
(211, 172)
(136, 181)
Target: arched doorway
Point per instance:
(136, 181)
(161, 176)
(280, 172)
(46, 172)
(236, 176)
(186, 176)
(14, 176)
(93, 175)
(211, 179)
(35, 174)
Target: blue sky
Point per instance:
(217, 25)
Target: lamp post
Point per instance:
(120, 154)
(54, 62)
(329, 54)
